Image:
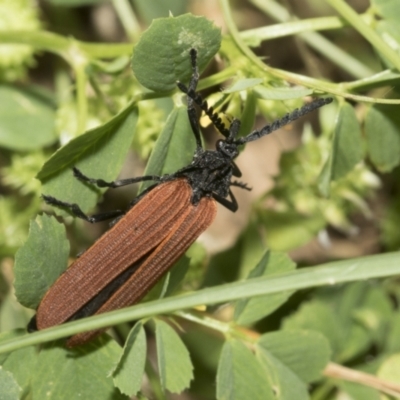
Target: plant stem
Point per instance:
(205, 320)
(128, 19)
(369, 34)
(154, 381)
(317, 85)
(47, 41)
(81, 98)
(286, 28)
(316, 41)
(327, 274)
(338, 371)
(217, 78)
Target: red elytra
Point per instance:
(152, 235)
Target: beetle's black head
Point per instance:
(227, 149)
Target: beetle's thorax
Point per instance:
(211, 172)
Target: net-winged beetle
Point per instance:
(164, 220)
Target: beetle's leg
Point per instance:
(235, 170)
(76, 210)
(114, 184)
(242, 185)
(231, 204)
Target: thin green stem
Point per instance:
(225, 328)
(336, 55)
(306, 31)
(40, 40)
(379, 266)
(369, 34)
(322, 391)
(154, 381)
(219, 77)
(94, 50)
(128, 18)
(57, 44)
(383, 78)
(100, 94)
(206, 321)
(296, 79)
(290, 28)
(81, 98)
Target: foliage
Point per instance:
(281, 330)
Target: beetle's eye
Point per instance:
(219, 144)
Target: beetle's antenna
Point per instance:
(209, 111)
(196, 97)
(299, 112)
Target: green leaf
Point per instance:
(248, 115)
(252, 248)
(375, 314)
(243, 84)
(99, 153)
(174, 148)
(74, 3)
(317, 316)
(383, 137)
(4, 336)
(129, 371)
(27, 120)
(390, 369)
(20, 363)
(9, 389)
(169, 282)
(305, 353)
(356, 337)
(41, 260)
(288, 230)
(174, 365)
(176, 275)
(240, 376)
(205, 350)
(223, 267)
(354, 305)
(12, 314)
(248, 311)
(357, 391)
(282, 93)
(13, 218)
(79, 374)
(347, 148)
(113, 67)
(389, 224)
(162, 55)
(148, 12)
(392, 343)
(389, 30)
(361, 317)
(388, 9)
(286, 384)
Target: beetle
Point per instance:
(163, 221)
